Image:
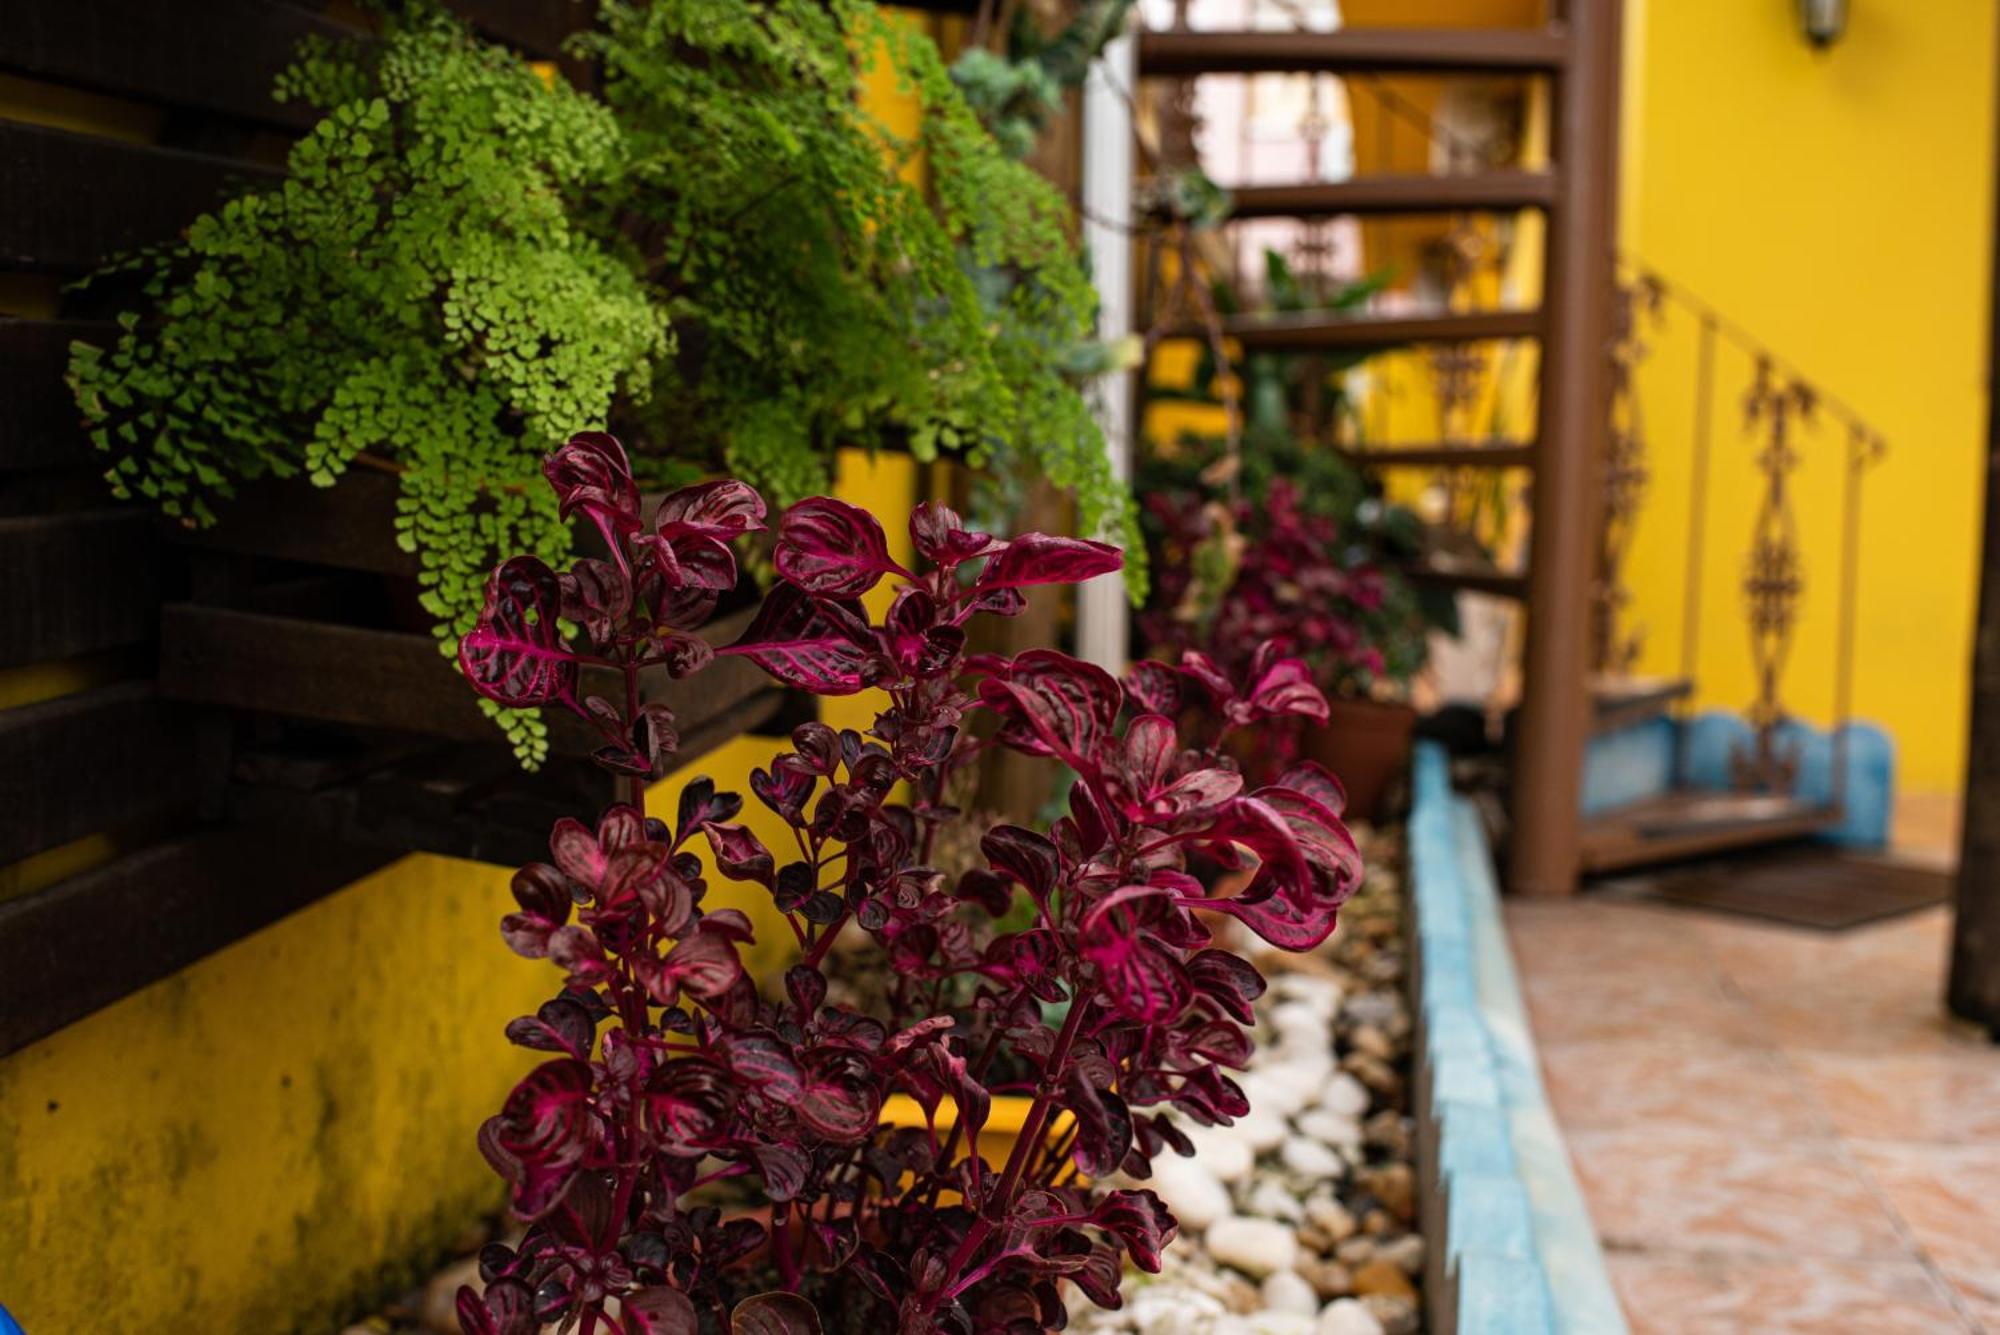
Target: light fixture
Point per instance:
(1823, 20)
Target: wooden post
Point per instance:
(1974, 988)
(1575, 407)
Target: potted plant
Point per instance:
(1078, 955)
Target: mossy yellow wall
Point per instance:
(1838, 205)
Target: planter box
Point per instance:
(1367, 744)
(328, 705)
(1512, 1247)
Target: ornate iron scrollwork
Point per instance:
(1773, 578)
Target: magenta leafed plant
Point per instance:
(1109, 1002)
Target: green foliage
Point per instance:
(725, 258)
(418, 288)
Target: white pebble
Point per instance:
(1273, 1200)
(1345, 1094)
(1257, 1247)
(1332, 1129)
(1347, 1316)
(1276, 1089)
(1311, 1160)
(1261, 1130)
(1287, 1291)
(1222, 1151)
(1195, 1195)
(1280, 1323)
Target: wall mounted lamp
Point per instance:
(1823, 21)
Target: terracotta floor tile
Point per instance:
(1608, 1085)
(1949, 1197)
(1668, 1293)
(1691, 1190)
(1597, 937)
(1946, 1096)
(1638, 1004)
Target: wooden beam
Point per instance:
(218, 56)
(1449, 455)
(1973, 990)
(1356, 51)
(349, 526)
(88, 763)
(1393, 193)
(1318, 331)
(1497, 583)
(393, 680)
(73, 200)
(84, 943)
(40, 425)
(76, 584)
(1575, 408)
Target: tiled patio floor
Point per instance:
(1777, 1130)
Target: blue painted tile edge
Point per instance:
(1481, 1052)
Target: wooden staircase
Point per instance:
(1577, 53)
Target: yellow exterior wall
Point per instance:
(1838, 205)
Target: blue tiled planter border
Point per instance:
(1513, 1250)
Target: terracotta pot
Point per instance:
(1366, 743)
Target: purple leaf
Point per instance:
(1153, 688)
(942, 538)
(765, 1064)
(784, 1169)
(506, 1308)
(1038, 558)
(726, 509)
(1141, 1221)
(561, 1025)
(591, 474)
(808, 644)
(1023, 855)
(515, 655)
(740, 854)
(774, 1313)
(1230, 981)
(1056, 705)
(658, 1310)
(833, 549)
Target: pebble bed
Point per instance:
(1301, 1218)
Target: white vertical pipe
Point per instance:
(1102, 613)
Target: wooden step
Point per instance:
(1690, 824)
(1620, 701)
(1446, 455)
(1469, 579)
(1356, 51)
(1314, 331)
(1389, 193)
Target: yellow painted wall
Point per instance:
(1839, 205)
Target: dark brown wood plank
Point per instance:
(86, 942)
(76, 584)
(1689, 824)
(74, 200)
(1449, 455)
(1396, 193)
(1356, 51)
(218, 55)
(1497, 583)
(87, 763)
(1317, 331)
(536, 27)
(350, 525)
(40, 427)
(386, 679)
